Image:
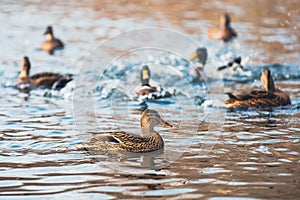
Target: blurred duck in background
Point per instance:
(43, 79)
(147, 91)
(201, 56)
(234, 64)
(51, 43)
(223, 31)
(269, 97)
(233, 68)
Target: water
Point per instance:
(210, 153)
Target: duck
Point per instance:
(147, 91)
(43, 79)
(235, 63)
(269, 97)
(51, 43)
(201, 55)
(233, 68)
(223, 31)
(148, 141)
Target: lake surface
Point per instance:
(210, 153)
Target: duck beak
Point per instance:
(165, 123)
(194, 56)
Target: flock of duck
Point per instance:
(150, 140)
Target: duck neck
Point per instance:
(50, 36)
(200, 66)
(24, 73)
(145, 82)
(268, 82)
(224, 26)
(147, 131)
(271, 85)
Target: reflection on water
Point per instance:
(210, 152)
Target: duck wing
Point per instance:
(147, 89)
(257, 98)
(222, 67)
(254, 94)
(123, 138)
(62, 82)
(44, 75)
(241, 96)
(58, 44)
(50, 80)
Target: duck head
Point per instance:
(151, 118)
(201, 54)
(145, 76)
(267, 80)
(48, 31)
(224, 20)
(25, 63)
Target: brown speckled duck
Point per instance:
(223, 31)
(148, 141)
(51, 43)
(270, 97)
(44, 79)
